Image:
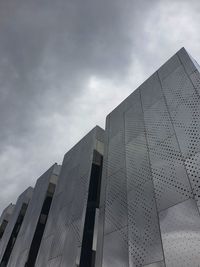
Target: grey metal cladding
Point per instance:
(151, 172)
(67, 214)
(71, 247)
(188, 62)
(31, 218)
(180, 230)
(54, 262)
(169, 67)
(60, 227)
(116, 202)
(116, 153)
(138, 170)
(44, 252)
(150, 91)
(195, 79)
(177, 87)
(23, 198)
(143, 226)
(192, 68)
(186, 121)
(158, 123)
(192, 166)
(170, 179)
(115, 249)
(133, 119)
(156, 264)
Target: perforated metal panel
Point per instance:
(156, 264)
(115, 250)
(137, 162)
(143, 227)
(116, 153)
(151, 172)
(116, 202)
(158, 123)
(177, 87)
(170, 179)
(169, 67)
(186, 120)
(150, 91)
(180, 229)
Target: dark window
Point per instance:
(87, 253)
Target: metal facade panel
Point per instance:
(192, 166)
(156, 264)
(187, 61)
(150, 91)
(195, 79)
(115, 249)
(177, 87)
(143, 226)
(116, 153)
(169, 67)
(186, 120)
(158, 123)
(116, 202)
(71, 247)
(133, 119)
(170, 179)
(44, 252)
(180, 230)
(138, 170)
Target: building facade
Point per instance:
(150, 194)
(27, 244)
(11, 232)
(128, 196)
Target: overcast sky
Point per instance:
(65, 64)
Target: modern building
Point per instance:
(128, 196)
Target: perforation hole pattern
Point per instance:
(177, 88)
(170, 179)
(186, 120)
(144, 237)
(116, 202)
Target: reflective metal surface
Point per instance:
(152, 172)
